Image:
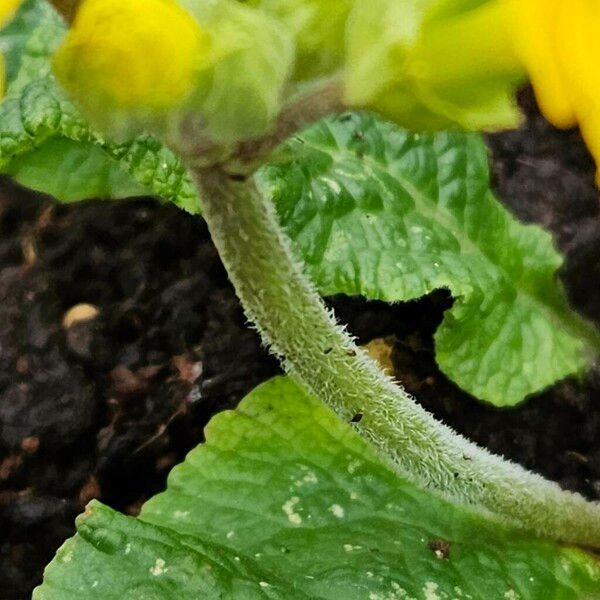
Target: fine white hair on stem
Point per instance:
(295, 324)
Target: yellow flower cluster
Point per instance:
(7, 9)
(559, 43)
(146, 55)
(123, 55)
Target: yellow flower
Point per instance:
(7, 10)
(559, 43)
(131, 55)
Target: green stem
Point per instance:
(323, 358)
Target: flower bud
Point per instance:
(168, 67)
(131, 58)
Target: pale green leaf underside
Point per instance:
(74, 170)
(286, 501)
(376, 211)
(36, 119)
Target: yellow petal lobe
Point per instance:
(7, 9)
(535, 25)
(578, 37)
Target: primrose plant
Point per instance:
(281, 120)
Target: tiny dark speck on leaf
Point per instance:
(357, 418)
(327, 350)
(441, 548)
(358, 135)
(345, 117)
(237, 177)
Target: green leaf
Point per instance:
(26, 54)
(37, 120)
(376, 211)
(286, 501)
(74, 170)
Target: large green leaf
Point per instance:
(286, 501)
(390, 215)
(36, 118)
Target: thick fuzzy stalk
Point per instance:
(322, 357)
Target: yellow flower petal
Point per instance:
(7, 9)
(535, 23)
(131, 55)
(578, 44)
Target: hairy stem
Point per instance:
(323, 358)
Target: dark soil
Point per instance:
(105, 408)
